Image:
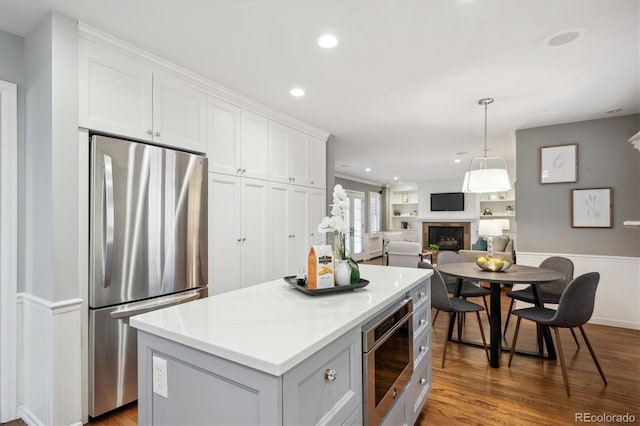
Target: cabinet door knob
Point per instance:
(150, 132)
(423, 322)
(311, 182)
(239, 239)
(294, 179)
(239, 171)
(157, 134)
(244, 170)
(330, 374)
(244, 239)
(423, 381)
(423, 348)
(421, 294)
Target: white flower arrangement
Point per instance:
(336, 223)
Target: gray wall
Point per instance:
(51, 160)
(605, 159)
(366, 188)
(12, 69)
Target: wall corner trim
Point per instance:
(51, 353)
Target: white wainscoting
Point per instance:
(618, 296)
(51, 361)
(372, 245)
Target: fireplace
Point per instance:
(448, 235)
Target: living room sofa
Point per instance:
(502, 246)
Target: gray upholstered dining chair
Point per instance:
(404, 253)
(574, 310)
(469, 288)
(548, 293)
(440, 300)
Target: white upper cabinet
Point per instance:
(300, 158)
(295, 157)
(223, 137)
(317, 163)
(179, 113)
(254, 158)
(279, 146)
(123, 96)
(115, 92)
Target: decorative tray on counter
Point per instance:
(292, 280)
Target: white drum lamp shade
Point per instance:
(481, 177)
(489, 229)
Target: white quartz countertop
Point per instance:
(272, 327)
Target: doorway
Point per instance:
(354, 215)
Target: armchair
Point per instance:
(404, 253)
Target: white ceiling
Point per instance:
(399, 93)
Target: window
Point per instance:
(374, 212)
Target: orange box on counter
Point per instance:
(320, 267)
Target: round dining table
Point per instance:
(516, 274)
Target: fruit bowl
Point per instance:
(493, 263)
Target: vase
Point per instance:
(342, 272)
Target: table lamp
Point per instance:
(489, 229)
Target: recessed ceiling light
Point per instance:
(457, 160)
(297, 92)
(563, 38)
(613, 111)
(368, 169)
(395, 178)
(327, 41)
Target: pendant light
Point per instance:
(486, 174)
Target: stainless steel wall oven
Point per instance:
(387, 343)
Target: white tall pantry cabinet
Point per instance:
(260, 228)
(238, 232)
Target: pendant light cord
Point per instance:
(485, 129)
(485, 102)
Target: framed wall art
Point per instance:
(559, 163)
(591, 208)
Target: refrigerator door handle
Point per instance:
(108, 229)
(147, 306)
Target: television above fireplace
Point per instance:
(447, 202)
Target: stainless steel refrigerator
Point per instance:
(148, 250)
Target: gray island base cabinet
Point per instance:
(208, 390)
(212, 379)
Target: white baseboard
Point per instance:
(618, 296)
(50, 350)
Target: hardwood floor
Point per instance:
(469, 392)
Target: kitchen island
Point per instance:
(258, 355)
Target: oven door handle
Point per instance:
(147, 306)
(370, 342)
